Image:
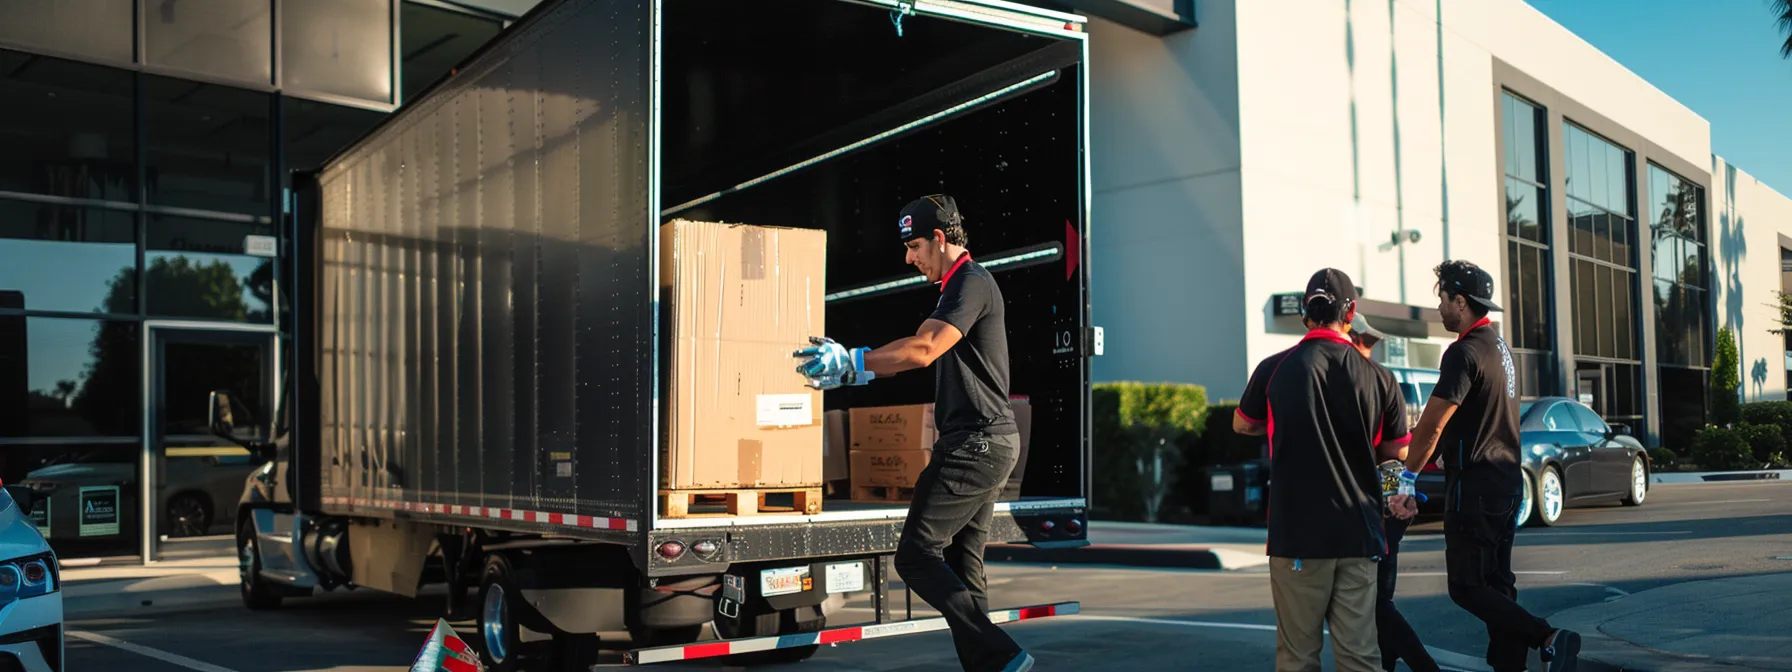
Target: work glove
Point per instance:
(1396, 479)
(829, 365)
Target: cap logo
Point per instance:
(907, 225)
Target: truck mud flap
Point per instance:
(851, 633)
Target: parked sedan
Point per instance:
(1571, 456)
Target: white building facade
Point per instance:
(1240, 149)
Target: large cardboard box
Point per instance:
(888, 468)
(893, 428)
(737, 301)
(833, 451)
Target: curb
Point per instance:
(86, 598)
(1159, 556)
(1682, 478)
(1603, 651)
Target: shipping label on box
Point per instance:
(893, 428)
(888, 468)
(737, 301)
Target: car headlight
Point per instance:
(29, 576)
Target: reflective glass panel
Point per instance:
(66, 128)
(208, 146)
(69, 377)
(232, 39)
(65, 258)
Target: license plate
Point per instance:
(773, 582)
(846, 577)
(1222, 482)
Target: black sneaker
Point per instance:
(1563, 652)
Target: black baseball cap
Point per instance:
(1332, 285)
(1473, 282)
(1360, 326)
(920, 217)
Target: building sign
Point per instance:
(99, 511)
(260, 246)
(1286, 304)
(40, 515)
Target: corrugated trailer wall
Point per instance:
(485, 328)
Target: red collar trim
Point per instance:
(1323, 334)
(948, 276)
(1482, 323)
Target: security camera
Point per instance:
(1411, 235)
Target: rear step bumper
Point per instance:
(851, 633)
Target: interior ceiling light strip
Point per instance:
(1006, 261)
(936, 117)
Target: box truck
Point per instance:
(476, 367)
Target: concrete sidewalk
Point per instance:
(1151, 545)
(1729, 623)
(193, 572)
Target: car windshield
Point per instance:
(1524, 408)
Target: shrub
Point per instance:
(1765, 442)
(1141, 433)
(1726, 381)
(1775, 413)
(1662, 458)
(1721, 448)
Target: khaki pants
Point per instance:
(1338, 591)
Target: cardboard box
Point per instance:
(893, 428)
(888, 468)
(737, 301)
(834, 449)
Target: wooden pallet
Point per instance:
(882, 493)
(744, 502)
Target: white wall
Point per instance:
(1746, 220)
(1166, 250)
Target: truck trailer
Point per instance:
(473, 377)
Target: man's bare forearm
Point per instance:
(903, 354)
(1424, 437)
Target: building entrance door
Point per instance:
(195, 475)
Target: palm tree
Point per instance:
(1784, 9)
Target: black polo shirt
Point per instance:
(1327, 408)
(1480, 442)
(971, 379)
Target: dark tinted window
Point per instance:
(208, 146)
(196, 268)
(1588, 420)
(1560, 419)
(68, 377)
(66, 128)
(64, 258)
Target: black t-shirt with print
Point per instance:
(1480, 442)
(971, 380)
(1327, 408)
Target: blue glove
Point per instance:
(829, 365)
(1409, 485)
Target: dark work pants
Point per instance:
(1397, 639)
(940, 555)
(1478, 533)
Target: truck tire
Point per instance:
(500, 635)
(765, 625)
(258, 595)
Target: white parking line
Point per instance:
(1542, 573)
(1449, 660)
(145, 651)
(1725, 501)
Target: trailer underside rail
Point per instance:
(851, 633)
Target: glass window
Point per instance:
(64, 258)
(341, 47)
(196, 268)
(434, 40)
(98, 29)
(1622, 281)
(232, 39)
(1522, 203)
(315, 131)
(1586, 419)
(208, 146)
(1560, 419)
(68, 377)
(1528, 277)
(66, 128)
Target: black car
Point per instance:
(1571, 456)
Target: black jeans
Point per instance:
(1397, 638)
(940, 555)
(1478, 532)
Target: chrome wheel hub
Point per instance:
(491, 624)
(1639, 481)
(1552, 495)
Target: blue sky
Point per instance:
(1719, 57)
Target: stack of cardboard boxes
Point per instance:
(892, 444)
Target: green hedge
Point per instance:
(1142, 433)
(1721, 448)
(1766, 443)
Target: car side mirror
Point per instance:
(218, 418)
(1613, 430)
(24, 496)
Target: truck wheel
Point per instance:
(258, 595)
(765, 625)
(499, 634)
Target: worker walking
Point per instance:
(1473, 414)
(1398, 641)
(1331, 415)
(940, 554)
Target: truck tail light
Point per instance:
(671, 550)
(1073, 526)
(1047, 526)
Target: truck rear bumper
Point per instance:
(841, 635)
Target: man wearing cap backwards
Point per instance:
(940, 555)
(1472, 417)
(1327, 414)
(1397, 638)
